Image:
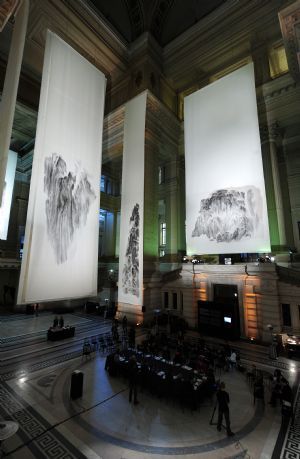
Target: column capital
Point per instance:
(270, 132)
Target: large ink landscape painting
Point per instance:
(230, 215)
(69, 197)
(130, 275)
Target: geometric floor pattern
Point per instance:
(102, 424)
(291, 448)
(40, 437)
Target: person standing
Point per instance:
(133, 379)
(55, 322)
(223, 402)
(131, 337)
(124, 325)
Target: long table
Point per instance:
(56, 334)
(164, 378)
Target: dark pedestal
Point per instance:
(76, 385)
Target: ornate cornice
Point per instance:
(162, 126)
(290, 26)
(73, 21)
(113, 131)
(220, 39)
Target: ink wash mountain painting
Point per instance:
(229, 215)
(69, 197)
(130, 277)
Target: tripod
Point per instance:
(211, 422)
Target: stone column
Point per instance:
(270, 135)
(9, 94)
(172, 204)
(109, 235)
(291, 148)
(261, 62)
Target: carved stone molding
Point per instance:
(270, 132)
(7, 9)
(290, 27)
(219, 40)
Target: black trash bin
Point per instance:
(76, 384)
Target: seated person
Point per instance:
(61, 322)
(117, 357)
(178, 358)
(232, 358)
(87, 349)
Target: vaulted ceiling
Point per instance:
(165, 19)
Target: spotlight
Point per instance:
(196, 261)
(185, 259)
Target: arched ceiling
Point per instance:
(165, 19)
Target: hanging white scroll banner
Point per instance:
(130, 286)
(60, 259)
(226, 209)
(7, 193)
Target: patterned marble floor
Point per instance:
(102, 424)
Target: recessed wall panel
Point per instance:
(226, 208)
(60, 257)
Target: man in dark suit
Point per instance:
(133, 379)
(223, 402)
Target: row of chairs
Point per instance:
(102, 342)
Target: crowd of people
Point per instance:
(204, 362)
(172, 366)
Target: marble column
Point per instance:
(270, 136)
(109, 235)
(260, 58)
(291, 149)
(11, 82)
(172, 207)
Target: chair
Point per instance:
(109, 343)
(86, 350)
(94, 343)
(101, 344)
